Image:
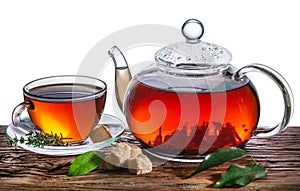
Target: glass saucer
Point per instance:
(115, 126)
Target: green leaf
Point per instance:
(85, 163)
(218, 157)
(238, 176)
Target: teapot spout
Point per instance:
(122, 74)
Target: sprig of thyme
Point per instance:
(38, 139)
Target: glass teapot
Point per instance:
(193, 101)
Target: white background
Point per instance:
(44, 38)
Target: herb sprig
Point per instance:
(38, 139)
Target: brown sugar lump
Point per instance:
(135, 151)
(140, 164)
(126, 156)
(100, 133)
(113, 161)
(117, 157)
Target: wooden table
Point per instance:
(20, 169)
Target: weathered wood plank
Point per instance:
(20, 169)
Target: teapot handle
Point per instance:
(286, 93)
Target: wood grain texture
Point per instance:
(23, 170)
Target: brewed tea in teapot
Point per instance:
(192, 133)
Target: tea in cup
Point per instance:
(69, 106)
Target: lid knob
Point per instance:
(192, 30)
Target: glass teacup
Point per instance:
(69, 106)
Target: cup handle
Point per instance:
(286, 93)
(16, 115)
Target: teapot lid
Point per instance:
(194, 54)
